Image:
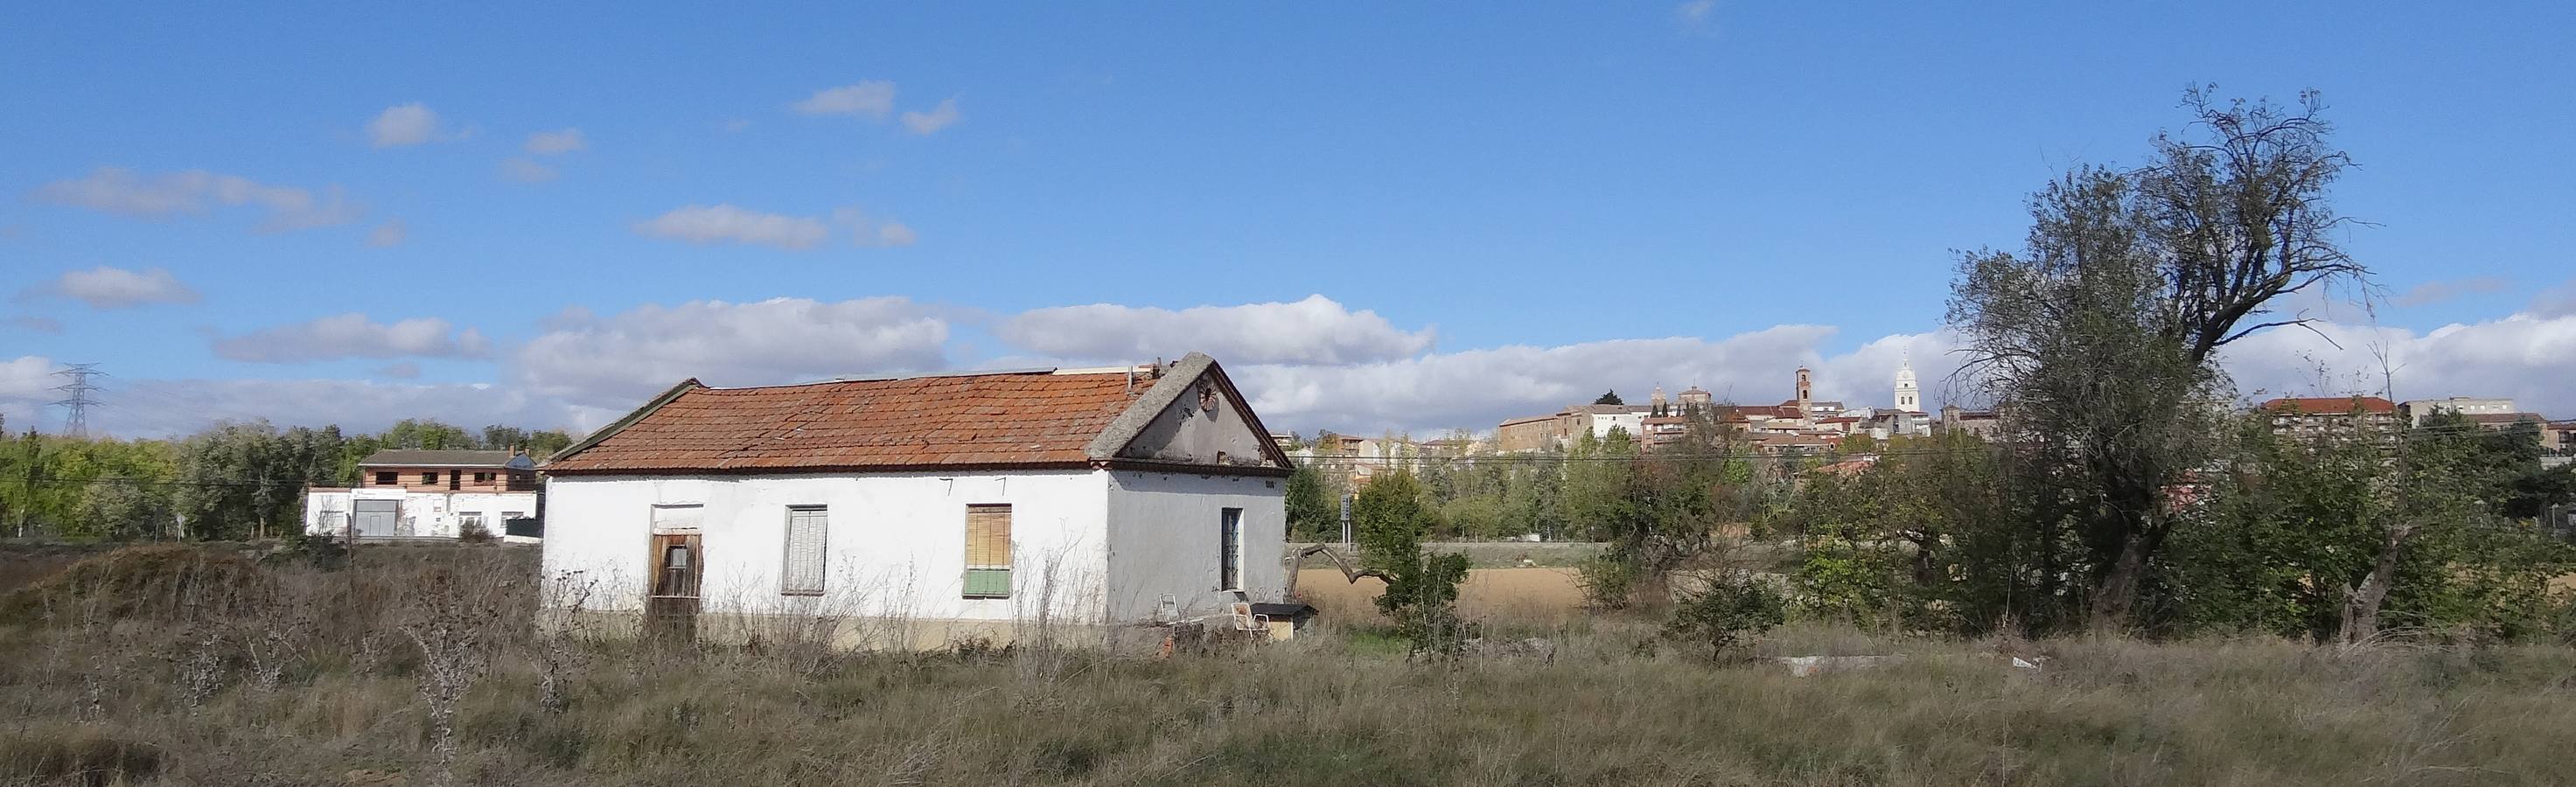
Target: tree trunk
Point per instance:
(2115, 598)
(2361, 604)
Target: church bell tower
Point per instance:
(1908, 397)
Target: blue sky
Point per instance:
(1503, 208)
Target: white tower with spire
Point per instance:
(1908, 397)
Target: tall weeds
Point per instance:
(463, 687)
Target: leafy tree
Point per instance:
(1855, 444)
(1392, 518)
(2326, 533)
(1312, 516)
(1658, 511)
(2535, 494)
(2098, 341)
(547, 442)
(1848, 564)
(1609, 397)
(1906, 541)
(426, 434)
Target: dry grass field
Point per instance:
(1532, 595)
(420, 667)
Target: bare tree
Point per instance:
(2099, 341)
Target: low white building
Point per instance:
(427, 494)
(967, 502)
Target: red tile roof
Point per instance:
(985, 420)
(2330, 405)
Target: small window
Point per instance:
(471, 522)
(1229, 566)
(482, 477)
(988, 551)
(675, 573)
(388, 478)
(801, 573)
(429, 477)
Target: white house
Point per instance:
(968, 501)
(410, 493)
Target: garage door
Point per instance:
(378, 519)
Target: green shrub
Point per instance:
(1731, 610)
(1609, 580)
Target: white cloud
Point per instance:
(1309, 364)
(164, 407)
(104, 287)
(704, 224)
(2559, 301)
(1476, 389)
(871, 99)
(27, 376)
(2433, 292)
(391, 233)
(1695, 12)
(404, 125)
(867, 231)
(122, 191)
(2525, 357)
(525, 170)
(34, 323)
(926, 123)
(354, 336)
(1312, 331)
(548, 143)
(145, 408)
(613, 362)
(26, 385)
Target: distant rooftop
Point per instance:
(2330, 405)
(417, 457)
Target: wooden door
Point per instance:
(671, 609)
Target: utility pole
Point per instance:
(78, 397)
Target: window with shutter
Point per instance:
(802, 573)
(988, 551)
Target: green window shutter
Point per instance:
(988, 583)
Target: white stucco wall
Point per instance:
(430, 514)
(895, 544)
(1164, 532)
(1602, 423)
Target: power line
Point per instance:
(76, 406)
